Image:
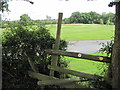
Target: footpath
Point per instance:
(88, 46)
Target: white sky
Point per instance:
(41, 8)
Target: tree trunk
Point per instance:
(116, 51)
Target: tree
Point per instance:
(91, 17)
(101, 21)
(75, 17)
(5, 7)
(108, 22)
(66, 20)
(116, 51)
(25, 20)
(108, 18)
(48, 17)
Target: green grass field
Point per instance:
(83, 31)
(86, 66)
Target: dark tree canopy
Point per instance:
(4, 6)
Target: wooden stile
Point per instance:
(55, 52)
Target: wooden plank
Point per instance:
(58, 81)
(79, 55)
(46, 77)
(67, 83)
(76, 73)
(40, 76)
(54, 59)
(73, 86)
(61, 83)
(32, 63)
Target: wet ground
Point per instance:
(90, 46)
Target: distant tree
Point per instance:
(90, 18)
(66, 20)
(101, 21)
(108, 17)
(75, 17)
(108, 22)
(48, 17)
(25, 20)
(111, 17)
(94, 17)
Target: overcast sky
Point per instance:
(41, 8)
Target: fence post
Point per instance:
(54, 59)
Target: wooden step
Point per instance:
(45, 78)
(58, 81)
(40, 76)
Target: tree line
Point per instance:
(75, 18)
(91, 18)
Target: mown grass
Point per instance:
(83, 31)
(87, 66)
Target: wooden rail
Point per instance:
(76, 73)
(67, 83)
(79, 55)
(40, 76)
(58, 81)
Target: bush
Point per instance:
(101, 83)
(22, 40)
(107, 48)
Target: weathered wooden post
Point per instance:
(116, 50)
(54, 59)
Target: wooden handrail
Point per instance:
(79, 55)
(72, 72)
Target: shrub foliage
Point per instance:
(17, 42)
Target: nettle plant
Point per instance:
(21, 40)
